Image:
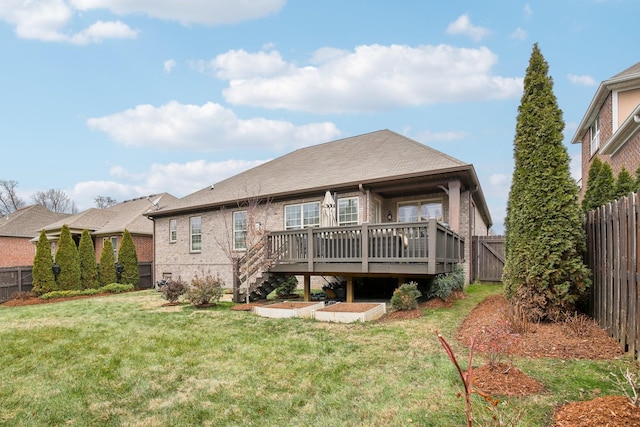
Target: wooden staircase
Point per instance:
(253, 267)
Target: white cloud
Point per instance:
(49, 20)
(46, 20)
(463, 26)
(370, 78)
(527, 10)
(582, 80)
(169, 65)
(519, 34)
(210, 12)
(178, 179)
(207, 127)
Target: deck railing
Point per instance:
(430, 243)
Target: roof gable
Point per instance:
(28, 221)
(365, 158)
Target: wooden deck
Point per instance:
(422, 248)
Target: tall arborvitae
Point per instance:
(88, 265)
(69, 261)
(544, 272)
(591, 197)
(625, 184)
(43, 277)
(128, 258)
(107, 270)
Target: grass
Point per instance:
(125, 360)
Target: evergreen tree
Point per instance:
(128, 258)
(606, 185)
(544, 237)
(42, 273)
(69, 261)
(88, 266)
(625, 184)
(637, 187)
(589, 200)
(107, 269)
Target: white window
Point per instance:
(348, 211)
(114, 243)
(173, 230)
(594, 134)
(240, 230)
(302, 215)
(195, 238)
(419, 211)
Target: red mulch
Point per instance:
(551, 340)
(35, 300)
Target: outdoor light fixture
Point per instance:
(56, 270)
(119, 270)
(389, 216)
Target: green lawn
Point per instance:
(125, 360)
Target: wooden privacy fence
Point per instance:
(612, 255)
(19, 279)
(487, 259)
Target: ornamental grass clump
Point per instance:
(406, 297)
(204, 290)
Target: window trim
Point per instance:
(594, 136)
(192, 234)
(173, 230)
(301, 206)
(243, 231)
(347, 223)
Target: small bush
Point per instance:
(116, 288)
(204, 290)
(287, 287)
(629, 386)
(406, 297)
(22, 295)
(445, 284)
(578, 324)
(173, 289)
(517, 320)
(497, 343)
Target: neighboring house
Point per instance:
(16, 231)
(111, 222)
(381, 185)
(610, 129)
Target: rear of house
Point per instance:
(341, 193)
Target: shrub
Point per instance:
(287, 287)
(445, 284)
(107, 269)
(88, 266)
(116, 288)
(69, 261)
(497, 343)
(43, 278)
(128, 258)
(630, 386)
(406, 297)
(517, 320)
(204, 290)
(173, 289)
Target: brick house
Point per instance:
(111, 222)
(393, 203)
(611, 124)
(16, 231)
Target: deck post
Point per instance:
(307, 287)
(310, 253)
(432, 234)
(349, 288)
(364, 247)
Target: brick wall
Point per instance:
(628, 156)
(16, 251)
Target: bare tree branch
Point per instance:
(55, 200)
(103, 202)
(9, 199)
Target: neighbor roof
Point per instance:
(624, 79)
(363, 159)
(28, 221)
(115, 219)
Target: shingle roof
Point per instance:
(359, 159)
(28, 221)
(115, 219)
(634, 69)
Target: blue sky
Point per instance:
(125, 98)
